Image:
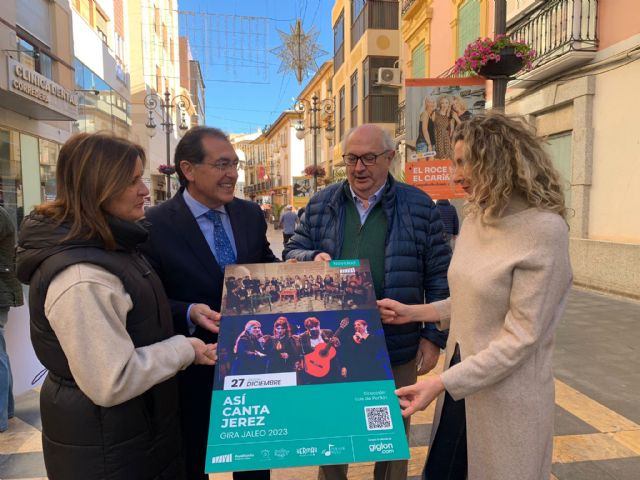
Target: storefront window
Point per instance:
(11, 176)
(48, 159)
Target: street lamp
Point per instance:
(327, 107)
(166, 104)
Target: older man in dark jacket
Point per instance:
(398, 229)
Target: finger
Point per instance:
(209, 324)
(407, 412)
(407, 391)
(384, 302)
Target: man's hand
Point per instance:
(204, 317)
(419, 395)
(206, 354)
(322, 257)
(427, 357)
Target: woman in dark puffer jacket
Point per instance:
(101, 323)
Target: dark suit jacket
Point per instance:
(190, 274)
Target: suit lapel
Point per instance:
(238, 225)
(186, 226)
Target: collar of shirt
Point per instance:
(199, 209)
(373, 200)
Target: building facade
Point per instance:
(156, 93)
(317, 127)
(38, 104)
(102, 81)
(273, 159)
(366, 65)
(582, 96)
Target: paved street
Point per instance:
(597, 398)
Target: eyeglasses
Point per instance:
(367, 159)
(224, 165)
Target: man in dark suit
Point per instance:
(192, 237)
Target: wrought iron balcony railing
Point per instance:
(559, 27)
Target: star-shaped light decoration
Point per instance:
(299, 51)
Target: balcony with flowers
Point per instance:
(562, 32)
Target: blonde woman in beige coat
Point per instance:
(509, 280)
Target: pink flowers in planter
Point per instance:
(312, 171)
(486, 50)
(167, 169)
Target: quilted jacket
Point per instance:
(416, 255)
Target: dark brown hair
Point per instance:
(190, 148)
(311, 322)
(91, 170)
(285, 323)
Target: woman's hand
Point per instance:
(396, 313)
(419, 395)
(206, 354)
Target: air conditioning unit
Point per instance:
(389, 76)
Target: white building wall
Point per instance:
(615, 193)
(86, 43)
(296, 156)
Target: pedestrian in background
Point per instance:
(510, 278)
(101, 322)
(449, 216)
(10, 296)
(288, 222)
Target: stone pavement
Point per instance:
(597, 418)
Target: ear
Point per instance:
(187, 170)
(392, 155)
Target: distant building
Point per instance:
(196, 87)
(156, 69)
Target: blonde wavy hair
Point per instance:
(504, 157)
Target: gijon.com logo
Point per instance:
(381, 447)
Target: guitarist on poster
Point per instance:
(319, 348)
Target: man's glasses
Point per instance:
(367, 159)
(224, 165)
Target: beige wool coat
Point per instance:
(509, 280)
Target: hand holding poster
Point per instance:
(303, 376)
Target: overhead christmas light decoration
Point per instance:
(299, 51)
